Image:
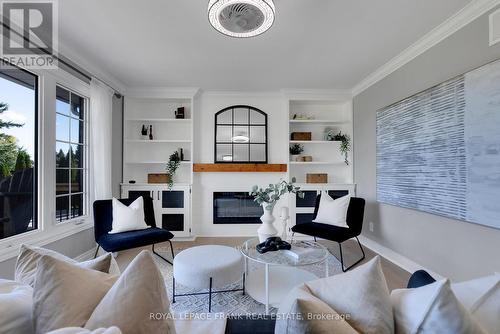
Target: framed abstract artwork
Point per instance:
(439, 150)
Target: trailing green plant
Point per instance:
(345, 145)
(296, 149)
(174, 161)
(270, 195)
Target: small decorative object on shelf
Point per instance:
(316, 178)
(307, 158)
(267, 198)
(295, 151)
(158, 178)
(305, 136)
(144, 132)
(329, 134)
(174, 161)
(179, 113)
(131, 181)
(150, 132)
(180, 150)
(345, 146)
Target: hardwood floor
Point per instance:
(396, 277)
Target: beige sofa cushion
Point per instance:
(139, 293)
(360, 293)
(65, 295)
(29, 257)
(301, 312)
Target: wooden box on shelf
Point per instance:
(301, 136)
(316, 178)
(158, 178)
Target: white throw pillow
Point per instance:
(362, 294)
(128, 218)
(431, 309)
(333, 211)
(481, 297)
(16, 308)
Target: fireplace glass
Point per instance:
(236, 208)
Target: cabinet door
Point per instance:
(172, 212)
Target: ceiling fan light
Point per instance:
(241, 18)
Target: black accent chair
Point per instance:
(103, 218)
(355, 213)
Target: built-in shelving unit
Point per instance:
(142, 155)
(316, 115)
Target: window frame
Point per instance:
(86, 167)
(49, 230)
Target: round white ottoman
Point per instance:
(207, 267)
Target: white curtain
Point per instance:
(101, 104)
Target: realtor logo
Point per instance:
(29, 33)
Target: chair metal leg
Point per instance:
(171, 249)
(173, 289)
(355, 263)
(96, 251)
(293, 234)
(243, 285)
(161, 256)
(315, 239)
(210, 297)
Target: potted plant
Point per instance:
(174, 161)
(295, 151)
(345, 145)
(267, 198)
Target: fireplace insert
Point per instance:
(236, 208)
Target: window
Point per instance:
(18, 151)
(241, 135)
(71, 155)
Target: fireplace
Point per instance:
(236, 208)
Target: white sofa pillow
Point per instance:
(481, 297)
(361, 293)
(139, 293)
(432, 308)
(128, 218)
(29, 257)
(16, 308)
(333, 211)
(301, 312)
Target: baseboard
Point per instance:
(396, 258)
(86, 256)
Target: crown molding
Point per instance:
(162, 92)
(459, 20)
(317, 94)
(239, 93)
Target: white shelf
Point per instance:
(157, 141)
(155, 162)
(316, 121)
(330, 142)
(173, 120)
(315, 163)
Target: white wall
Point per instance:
(452, 248)
(204, 184)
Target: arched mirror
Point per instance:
(240, 135)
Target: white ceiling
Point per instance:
(313, 43)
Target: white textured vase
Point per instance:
(267, 228)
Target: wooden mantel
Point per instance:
(261, 168)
